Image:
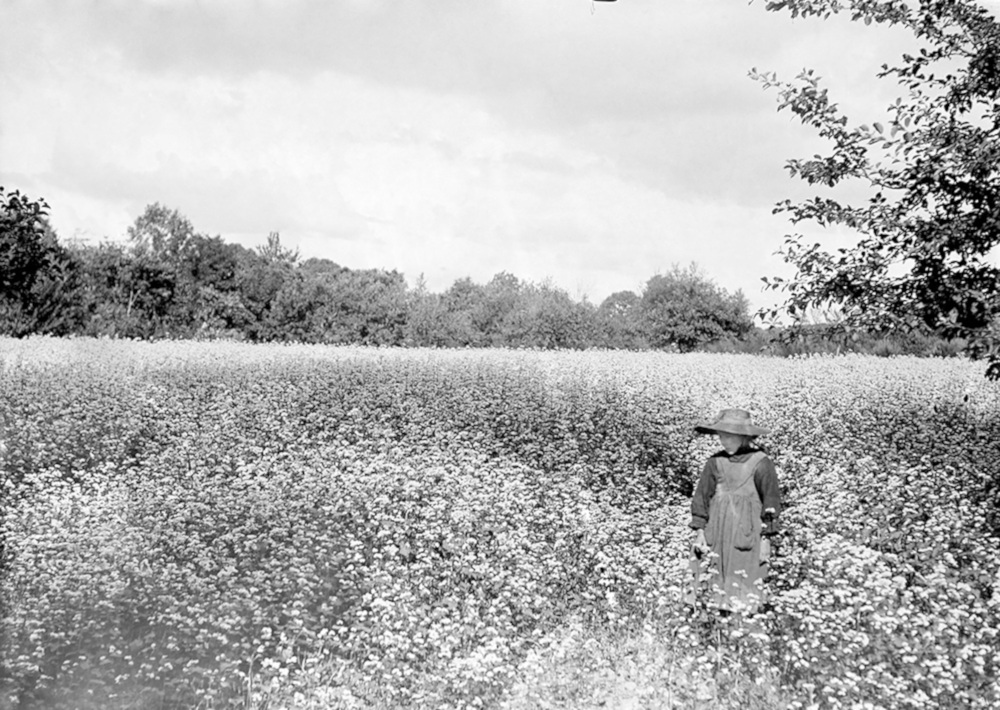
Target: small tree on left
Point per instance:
(37, 275)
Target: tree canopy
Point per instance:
(931, 168)
(36, 275)
(683, 308)
(170, 280)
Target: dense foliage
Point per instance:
(37, 276)
(930, 168)
(684, 309)
(171, 281)
(228, 525)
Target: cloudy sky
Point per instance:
(593, 144)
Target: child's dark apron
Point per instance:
(733, 533)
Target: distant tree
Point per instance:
(221, 314)
(262, 276)
(163, 234)
(464, 303)
(297, 311)
(588, 329)
(124, 293)
(426, 318)
(203, 269)
(211, 262)
(367, 307)
(22, 242)
(38, 277)
(317, 267)
(501, 297)
(213, 268)
(931, 169)
(275, 252)
(295, 302)
(684, 309)
(364, 307)
(546, 317)
(619, 322)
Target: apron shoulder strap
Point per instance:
(749, 466)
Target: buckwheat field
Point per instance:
(218, 525)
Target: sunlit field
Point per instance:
(219, 525)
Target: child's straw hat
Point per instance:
(731, 421)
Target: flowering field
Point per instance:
(223, 525)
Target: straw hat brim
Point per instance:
(730, 428)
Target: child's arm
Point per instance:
(703, 496)
(766, 480)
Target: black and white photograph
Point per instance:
(499, 354)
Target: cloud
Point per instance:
(659, 87)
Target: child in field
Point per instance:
(735, 510)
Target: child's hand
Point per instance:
(700, 546)
(765, 551)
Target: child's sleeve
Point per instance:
(703, 496)
(766, 479)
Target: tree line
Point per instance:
(169, 280)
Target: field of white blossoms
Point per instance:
(220, 525)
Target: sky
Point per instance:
(589, 144)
